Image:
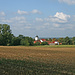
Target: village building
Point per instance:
(54, 43)
(36, 38)
(44, 40)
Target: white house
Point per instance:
(56, 43)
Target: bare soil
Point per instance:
(42, 54)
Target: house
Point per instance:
(56, 42)
(48, 42)
(44, 40)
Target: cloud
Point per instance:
(2, 14)
(35, 11)
(4, 20)
(62, 16)
(46, 24)
(39, 19)
(59, 17)
(27, 27)
(58, 22)
(22, 12)
(56, 25)
(54, 19)
(18, 18)
(68, 1)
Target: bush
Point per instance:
(44, 43)
(37, 43)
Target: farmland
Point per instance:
(20, 60)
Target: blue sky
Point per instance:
(45, 18)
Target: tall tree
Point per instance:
(54, 39)
(50, 39)
(73, 40)
(67, 40)
(15, 41)
(21, 37)
(5, 33)
(30, 40)
(60, 40)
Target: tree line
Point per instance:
(8, 39)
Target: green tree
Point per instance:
(15, 41)
(1, 39)
(54, 39)
(44, 43)
(73, 40)
(61, 40)
(47, 39)
(50, 39)
(67, 41)
(21, 37)
(24, 42)
(37, 43)
(5, 33)
(30, 40)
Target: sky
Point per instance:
(45, 18)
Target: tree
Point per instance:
(24, 42)
(37, 43)
(1, 39)
(21, 36)
(73, 40)
(5, 34)
(15, 41)
(67, 41)
(44, 43)
(50, 39)
(54, 39)
(61, 40)
(30, 40)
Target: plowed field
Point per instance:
(60, 58)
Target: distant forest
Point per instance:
(8, 39)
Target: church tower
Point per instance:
(36, 38)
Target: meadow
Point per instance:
(38, 60)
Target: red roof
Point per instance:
(43, 39)
(35, 41)
(48, 42)
(53, 42)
